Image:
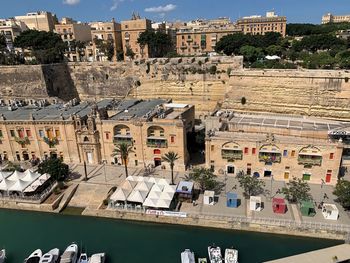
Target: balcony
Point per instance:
(270, 157)
(231, 154)
(118, 139)
(189, 40)
(313, 160)
(157, 142)
(183, 46)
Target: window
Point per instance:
(287, 168)
(28, 133)
(285, 153)
(1, 134)
(212, 147)
(246, 150)
(331, 156)
(253, 150)
(107, 135)
(58, 134)
(20, 133)
(306, 177)
(293, 153)
(172, 139)
(41, 133)
(286, 175)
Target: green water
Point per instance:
(132, 242)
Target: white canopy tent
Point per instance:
(30, 176)
(4, 175)
(162, 203)
(6, 184)
(144, 186)
(19, 186)
(154, 194)
(150, 202)
(137, 196)
(120, 195)
(16, 176)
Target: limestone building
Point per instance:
(104, 32)
(11, 28)
(200, 36)
(78, 132)
(272, 145)
(42, 20)
(259, 25)
(71, 32)
(330, 18)
(131, 29)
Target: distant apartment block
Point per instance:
(259, 25)
(11, 28)
(200, 36)
(330, 18)
(71, 32)
(105, 31)
(42, 21)
(131, 29)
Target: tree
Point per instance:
(2, 43)
(274, 50)
(297, 190)
(159, 43)
(251, 185)
(251, 53)
(129, 53)
(106, 47)
(204, 177)
(47, 47)
(123, 149)
(170, 158)
(54, 167)
(342, 191)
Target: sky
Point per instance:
(297, 11)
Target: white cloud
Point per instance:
(161, 9)
(115, 4)
(71, 2)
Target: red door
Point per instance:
(328, 178)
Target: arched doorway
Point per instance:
(230, 169)
(157, 161)
(25, 156)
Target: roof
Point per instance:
(307, 204)
(231, 195)
(185, 187)
(209, 193)
(330, 207)
(255, 198)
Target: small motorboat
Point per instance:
(51, 256)
(202, 260)
(70, 255)
(214, 254)
(83, 258)
(231, 255)
(98, 258)
(187, 256)
(2, 255)
(34, 257)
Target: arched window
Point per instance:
(155, 131)
(156, 151)
(121, 129)
(86, 139)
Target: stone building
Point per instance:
(78, 132)
(11, 28)
(200, 36)
(42, 20)
(330, 18)
(259, 25)
(131, 29)
(71, 32)
(106, 31)
(273, 145)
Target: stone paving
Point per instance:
(102, 178)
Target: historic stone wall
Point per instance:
(306, 92)
(188, 80)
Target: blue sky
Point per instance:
(158, 10)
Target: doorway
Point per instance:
(230, 169)
(25, 156)
(267, 173)
(89, 157)
(157, 162)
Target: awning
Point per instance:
(137, 196)
(120, 195)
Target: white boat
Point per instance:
(231, 255)
(34, 257)
(51, 256)
(187, 256)
(2, 255)
(70, 255)
(83, 258)
(97, 258)
(214, 254)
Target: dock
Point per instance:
(338, 253)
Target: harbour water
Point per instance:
(133, 242)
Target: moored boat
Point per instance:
(34, 257)
(231, 255)
(83, 258)
(214, 254)
(70, 255)
(97, 258)
(2, 255)
(202, 260)
(187, 256)
(51, 256)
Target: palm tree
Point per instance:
(123, 149)
(170, 158)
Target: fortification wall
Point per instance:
(307, 92)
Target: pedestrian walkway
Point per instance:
(296, 214)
